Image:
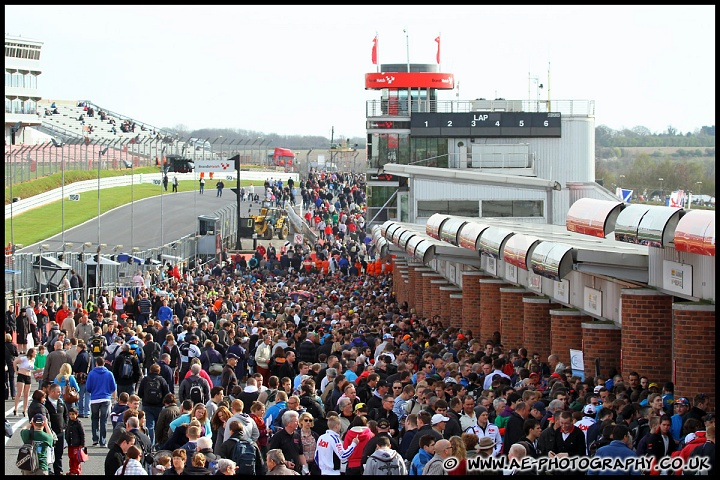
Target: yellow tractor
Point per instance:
(271, 221)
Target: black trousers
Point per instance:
(57, 467)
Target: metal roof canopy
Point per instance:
(103, 261)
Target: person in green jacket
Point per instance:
(40, 361)
(42, 438)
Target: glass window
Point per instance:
(465, 208)
(512, 208)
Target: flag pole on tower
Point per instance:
(437, 57)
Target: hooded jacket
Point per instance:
(419, 461)
(100, 384)
(385, 461)
(364, 434)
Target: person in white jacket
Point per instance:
(329, 453)
(263, 353)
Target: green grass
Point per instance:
(50, 182)
(46, 221)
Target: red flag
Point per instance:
(374, 50)
(437, 57)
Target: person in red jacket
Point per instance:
(362, 432)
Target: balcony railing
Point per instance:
(399, 108)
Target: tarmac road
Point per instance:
(94, 466)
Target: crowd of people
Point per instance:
(301, 361)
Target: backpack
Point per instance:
(270, 401)
(97, 346)
(27, 457)
(244, 457)
(196, 392)
(185, 350)
(153, 390)
(126, 369)
(110, 356)
(138, 351)
(154, 354)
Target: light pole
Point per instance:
(98, 267)
(62, 187)
(662, 192)
(43, 247)
(100, 155)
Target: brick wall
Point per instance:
(694, 353)
(438, 304)
(425, 292)
(565, 333)
(400, 276)
(512, 316)
(490, 314)
(536, 328)
(601, 340)
(646, 333)
(456, 306)
(472, 300)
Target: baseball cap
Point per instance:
(387, 336)
(461, 336)
(589, 409)
(437, 418)
(540, 406)
(359, 406)
(38, 419)
(382, 383)
(124, 315)
(597, 388)
(682, 401)
(133, 339)
(655, 385)
(406, 337)
(383, 423)
(232, 355)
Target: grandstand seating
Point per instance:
(66, 122)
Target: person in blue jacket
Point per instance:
(100, 385)
(618, 448)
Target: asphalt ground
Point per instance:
(94, 466)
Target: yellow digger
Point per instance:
(271, 221)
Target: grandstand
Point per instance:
(67, 124)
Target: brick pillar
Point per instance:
(456, 307)
(511, 316)
(438, 298)
(404, 287)
(423, 292)
(400, 276)
(694, 351)
(601, 340)
(399, 271)
(646, 325)
(446, 307)
(490, 314)
(565, 333)
(415, 298)
(471, 301)
(536, 329)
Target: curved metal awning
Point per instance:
(593, 217)
(434, 223)
(517, 249)
(450, 229)
(657, 226)
(469, 236)
(405, 237)
(695, 233)
(491, 240)
(552, 260)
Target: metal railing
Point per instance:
(30, 162)
(385, 108)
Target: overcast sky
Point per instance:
(299, 70)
